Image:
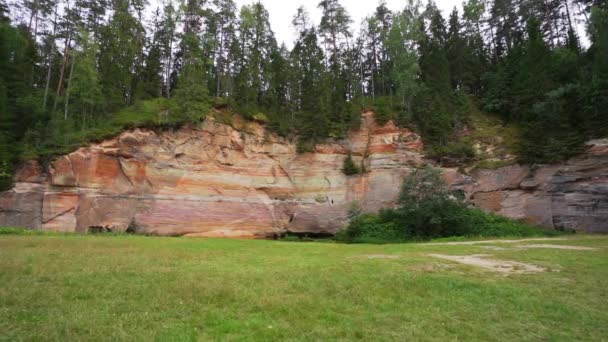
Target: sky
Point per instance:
(282, 12)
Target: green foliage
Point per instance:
(6, 162)
(481, 224)
(260, 117)
(371, 228)
(387, 108)
(410, 66)
(350, 168)
(401, 48)
(85, 89)
(462, 151)
(120, 50)
(192, 92)
(18, 231)
(488, 129)
(428, 210)
(63, 136)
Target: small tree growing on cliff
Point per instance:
(350, 168)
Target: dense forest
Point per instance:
(73, 71)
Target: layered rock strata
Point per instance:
(239, 180)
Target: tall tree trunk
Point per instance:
(66, 53)
(67, 92)
(50, 67)
(33, 15)
(568, 15)
(220, 63)
(169, 64)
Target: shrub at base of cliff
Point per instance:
(428, 210)
(371, 228)
(24, 231)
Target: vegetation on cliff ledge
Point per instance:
(73, 72)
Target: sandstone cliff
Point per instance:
(239, 180)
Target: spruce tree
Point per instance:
(86, 96)
(402, 50)
(120, 47)
(335, 31)
(598, 90)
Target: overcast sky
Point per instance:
(282, 12)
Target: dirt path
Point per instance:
(566, 247)
(456, 243)
(501, 266)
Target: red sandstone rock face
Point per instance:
(216, 181)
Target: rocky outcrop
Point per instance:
(218, 180)
(212, 180)
(570, 196)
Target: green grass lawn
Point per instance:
(143, 288)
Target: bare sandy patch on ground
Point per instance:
(456, 243)
(501, 266)
(573, 248)
(538, 246)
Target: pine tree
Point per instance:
(151, 80)
(335, 31)
(456, 51)
(192, 90)
(120, 49)
(598, 92)
(402, 48)
(166, 41)
(93, 13)
(226, 30)
(86, 96)
(19, 108)
(475, 64)
(255, 47)
(384, 18)
(308, 85)
(435, 108)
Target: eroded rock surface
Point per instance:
(212, 180)
(571, 196)
(215, 180)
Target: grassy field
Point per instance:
(142, 288)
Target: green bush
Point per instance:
(371, 228)
(386, 109)
(17, 231)
(456, 150)
(483, 224)
(428, 210)
(350, 168)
